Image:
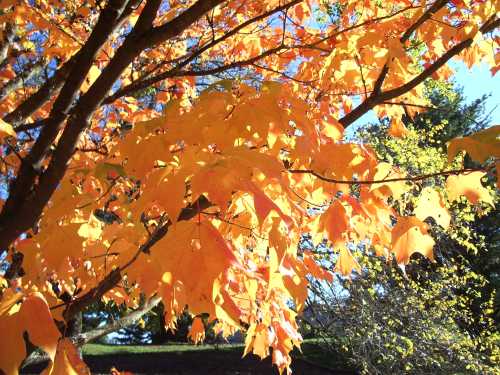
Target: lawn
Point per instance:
(204, 359)
(102, 349)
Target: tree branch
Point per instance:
(26, 201)
(41, 96)
(127, 320)
(54, 83)
(31, 165)
(81, 339)
(424, 17)
(28, 72)
(385, 96)
(114, 277)
(377, 87)
(177, 70)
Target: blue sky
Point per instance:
(475, 82)
(478, 81)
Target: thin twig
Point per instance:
(396, 179)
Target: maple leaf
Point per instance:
(264, 205)
(315, 270)
(470, 186)
(431, 204)
(397, 129)
(17, 319)
(197, 331)
(332, 129)
(226, 310)
(335, 222)
(195, 248)
(9, 298)
(42, 331)
(386, 171)
(480, 145)
(128, 164)
(346, 262)
(409, 236)
(12, 347)
(257, 340)
(168, 189)
(67, 361)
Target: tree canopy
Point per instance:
(177, 151)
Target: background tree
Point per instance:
(129, 166)
(427, 317)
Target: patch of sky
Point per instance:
(475, 82)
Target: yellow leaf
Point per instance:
(9, 299)
(261, 341)
(332, 129)
(91, 230)
(226, 310)
(468, 185)
(257, 340)
(497, 167)
(6, 129)
(385, 171)
(430, 204)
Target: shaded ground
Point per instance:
(192, 360)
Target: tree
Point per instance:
(382, 322)
(388, 321)
(174, 151)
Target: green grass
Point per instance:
(311, 351)
(102, 349)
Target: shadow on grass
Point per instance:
(205, 359)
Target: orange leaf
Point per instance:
(42, 330)
(346, 263)
(397, 129)
(335, 222)
(479, 146)
(197, 331)
(264, 205)
(67, 361)
(410, 236)
(12, 346)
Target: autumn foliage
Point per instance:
(178, 151)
